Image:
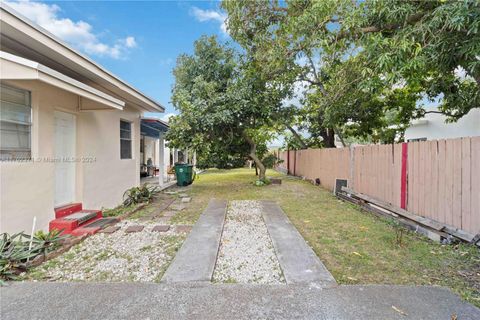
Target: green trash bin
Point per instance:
(184, 174)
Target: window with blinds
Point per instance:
(15, 124)
(125, 140)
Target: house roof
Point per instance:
(152, 127)
(18, 68)
(23, 38)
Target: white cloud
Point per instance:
(77, 33)
(130, 42)
(210, 15)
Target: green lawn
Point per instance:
(357, 247)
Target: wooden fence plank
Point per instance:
(466, 185)
(457, 183)
(434, 180)
(448, 181)
(475, 179)
(441, 181)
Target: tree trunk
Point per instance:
(328, 136)
(253, 155)
(340, 136)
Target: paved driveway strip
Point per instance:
(195, 261)
(228, 301)
(298, 261)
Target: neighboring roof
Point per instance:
(152, 127)
(18, 68)
(38, 44)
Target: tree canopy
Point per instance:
(226, 110)
(365, 66)
(318, 70)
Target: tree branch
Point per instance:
(414, 18)
(297, 137)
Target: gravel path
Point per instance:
(246, 252)
(140, 256)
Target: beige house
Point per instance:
(69, 129)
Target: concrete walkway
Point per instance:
(195, 261)
(228, 301)
(298, 261)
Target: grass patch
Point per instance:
(357, 247)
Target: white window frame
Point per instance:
(30, 125)
(126, 139)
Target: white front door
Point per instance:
(64, 158)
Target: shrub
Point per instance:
(138, 195)
(16, 251)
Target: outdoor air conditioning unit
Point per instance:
(339, 183)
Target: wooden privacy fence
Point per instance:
(437, 179)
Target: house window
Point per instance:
(125, 140)
(15, 124)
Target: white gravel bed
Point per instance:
(246, 252)
(117, 257)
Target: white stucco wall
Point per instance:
(27, 188)
(433, 126)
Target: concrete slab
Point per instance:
(195, 261)
(177, 207)
(161, 228)
(186, 200)
(132, 229)
(110, 229)
(37, 300)
(298, 261)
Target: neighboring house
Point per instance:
(433, 126)
(152, 149)
(70, 130)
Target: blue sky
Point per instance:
(138, 41)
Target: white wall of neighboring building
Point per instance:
(434, 127)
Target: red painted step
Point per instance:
(63, 211)
(76, 219)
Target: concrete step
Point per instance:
(68, 209)
(68, 223)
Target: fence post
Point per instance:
(288, 161)
(295, 162)
(404, 177)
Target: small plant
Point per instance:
(18, 249)
(48, 241)
(15, 251)
(138, 195)
(399, 231)
(260, 183)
